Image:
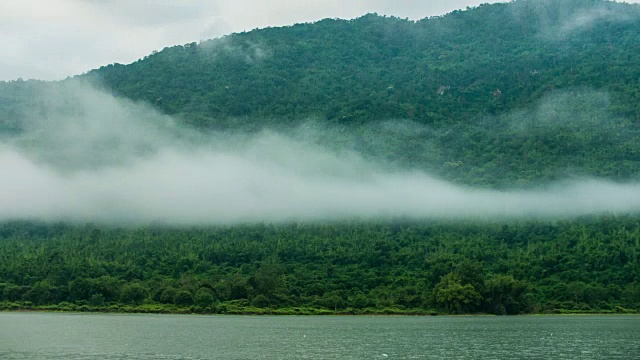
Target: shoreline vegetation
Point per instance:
(585, 265)
(225, 309)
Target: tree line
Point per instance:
(401, 266)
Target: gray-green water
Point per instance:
(90, 336)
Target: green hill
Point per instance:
(454, 68)
(501, 95)
(510, 94)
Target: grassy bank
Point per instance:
(235, 309)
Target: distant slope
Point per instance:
(501, 95)
(468, 63)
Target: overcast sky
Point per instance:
(53, 39)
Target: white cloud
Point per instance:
(86, 168)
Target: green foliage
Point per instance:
(133, 293)
(204, 297)
(588, 264)
(96, 300)
(455, 297)
(184, 298)
(168, 295)
(453, 67)
(260, 301)
(505, 295)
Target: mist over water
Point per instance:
(90, 157)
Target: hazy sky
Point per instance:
(53, 39)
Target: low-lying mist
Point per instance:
(86, 156)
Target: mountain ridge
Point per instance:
(503, 95)
(369, 113)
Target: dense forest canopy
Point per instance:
(587, 265)
(446, 69)
(501, 96)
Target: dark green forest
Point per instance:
(502, 96)
(395, 267)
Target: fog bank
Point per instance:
(108, 160)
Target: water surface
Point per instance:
(106, 336)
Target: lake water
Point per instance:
(105, 336)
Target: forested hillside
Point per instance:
(507, 93)
(453, 68)
(510, 97)
(500, 95)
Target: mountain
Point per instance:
(454, 68)
(501, 95)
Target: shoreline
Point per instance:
(141, 310)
